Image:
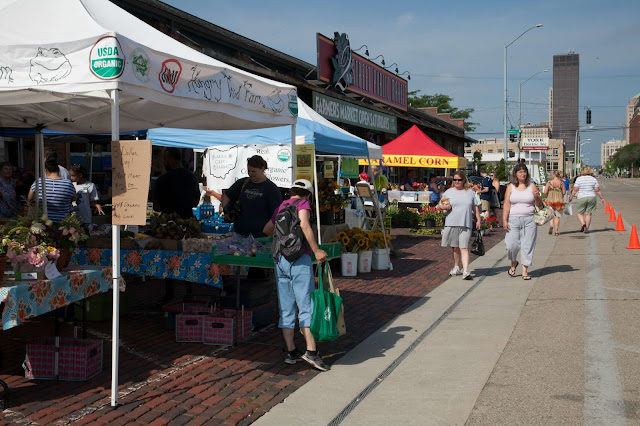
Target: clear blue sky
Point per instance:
(457, 49)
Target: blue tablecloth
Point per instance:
(26, 299)
(194, 267)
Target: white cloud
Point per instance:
(405, 19)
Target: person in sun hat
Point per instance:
(296, 281)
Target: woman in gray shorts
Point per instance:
(460, 204)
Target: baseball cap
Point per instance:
(304, 184)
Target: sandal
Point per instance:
(557, 234)
(550, 231)
(512, 270)
(526, 277)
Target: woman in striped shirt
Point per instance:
(585, 189)
(60, 192)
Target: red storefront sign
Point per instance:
(368, 78)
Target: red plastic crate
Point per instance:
(189, 327)
(78, 360)
(218, 327)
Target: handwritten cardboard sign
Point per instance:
(131, 167)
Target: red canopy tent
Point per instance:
(415, 149)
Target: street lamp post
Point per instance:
(520, 109)
(576, 147)
(506, 146)
(579, 148)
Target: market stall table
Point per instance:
(24, 299)
(193, 267)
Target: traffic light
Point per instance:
(512, 137)
(588, 116)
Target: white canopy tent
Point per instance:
(87, 66)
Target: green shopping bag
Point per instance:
(326, 308)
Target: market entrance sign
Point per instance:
(349, 72)
(345, 112)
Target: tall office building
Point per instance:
(564, 101)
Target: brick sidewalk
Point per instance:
(164, 382)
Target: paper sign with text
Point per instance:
(131, 168)
(305, 156)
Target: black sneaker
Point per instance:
(292, 357)
(315, 361)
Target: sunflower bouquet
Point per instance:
(330, 196)
(356, 239)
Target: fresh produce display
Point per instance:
(238, 245)
(171, 226)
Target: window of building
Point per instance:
(467, 151)
(490, 151)
(549, 166)
(555, 165)
(500, 150)
(555, 152)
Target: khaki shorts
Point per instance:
(486, 204)
(585, 205)
(456, 236)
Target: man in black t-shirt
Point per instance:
(258, 201)
(177, 190)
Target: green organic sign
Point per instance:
(345, 112)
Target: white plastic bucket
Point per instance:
(380, 259)
(349, 263)
(364, 261)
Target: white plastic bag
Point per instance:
(568, 209)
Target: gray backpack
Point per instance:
(289, 239)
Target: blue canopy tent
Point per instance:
(327, 138)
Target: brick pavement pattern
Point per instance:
(164, 382)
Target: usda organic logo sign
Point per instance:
(107, 58)
(293, 104)
(284, 155)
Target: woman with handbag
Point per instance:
(520, 201)
(555, 199)
(460, 204)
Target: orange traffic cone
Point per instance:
(612, 216)
(620, 225)
(633, 241)
(607, 209)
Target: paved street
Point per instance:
(563, 348)
(422, 348)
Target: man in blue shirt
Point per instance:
(408, 181)
(485, 192)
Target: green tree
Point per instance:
(443, 102)
(627, 157)
(501, 171)
(477, 158)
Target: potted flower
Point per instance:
(332, 202)
(349, 256)
(69, 234)
(29, 247)
(381, 249)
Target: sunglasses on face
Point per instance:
(457, 180)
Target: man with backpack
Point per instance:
(293, 243)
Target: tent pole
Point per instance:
(338, 178)
(377, 203)
(115, 234)
(43, 175)
(315, 190)
(38, 159)
(293, 153)
(91, 164)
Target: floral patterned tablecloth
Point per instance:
(26, 299)
(194, 267)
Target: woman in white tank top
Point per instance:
(520, 200)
